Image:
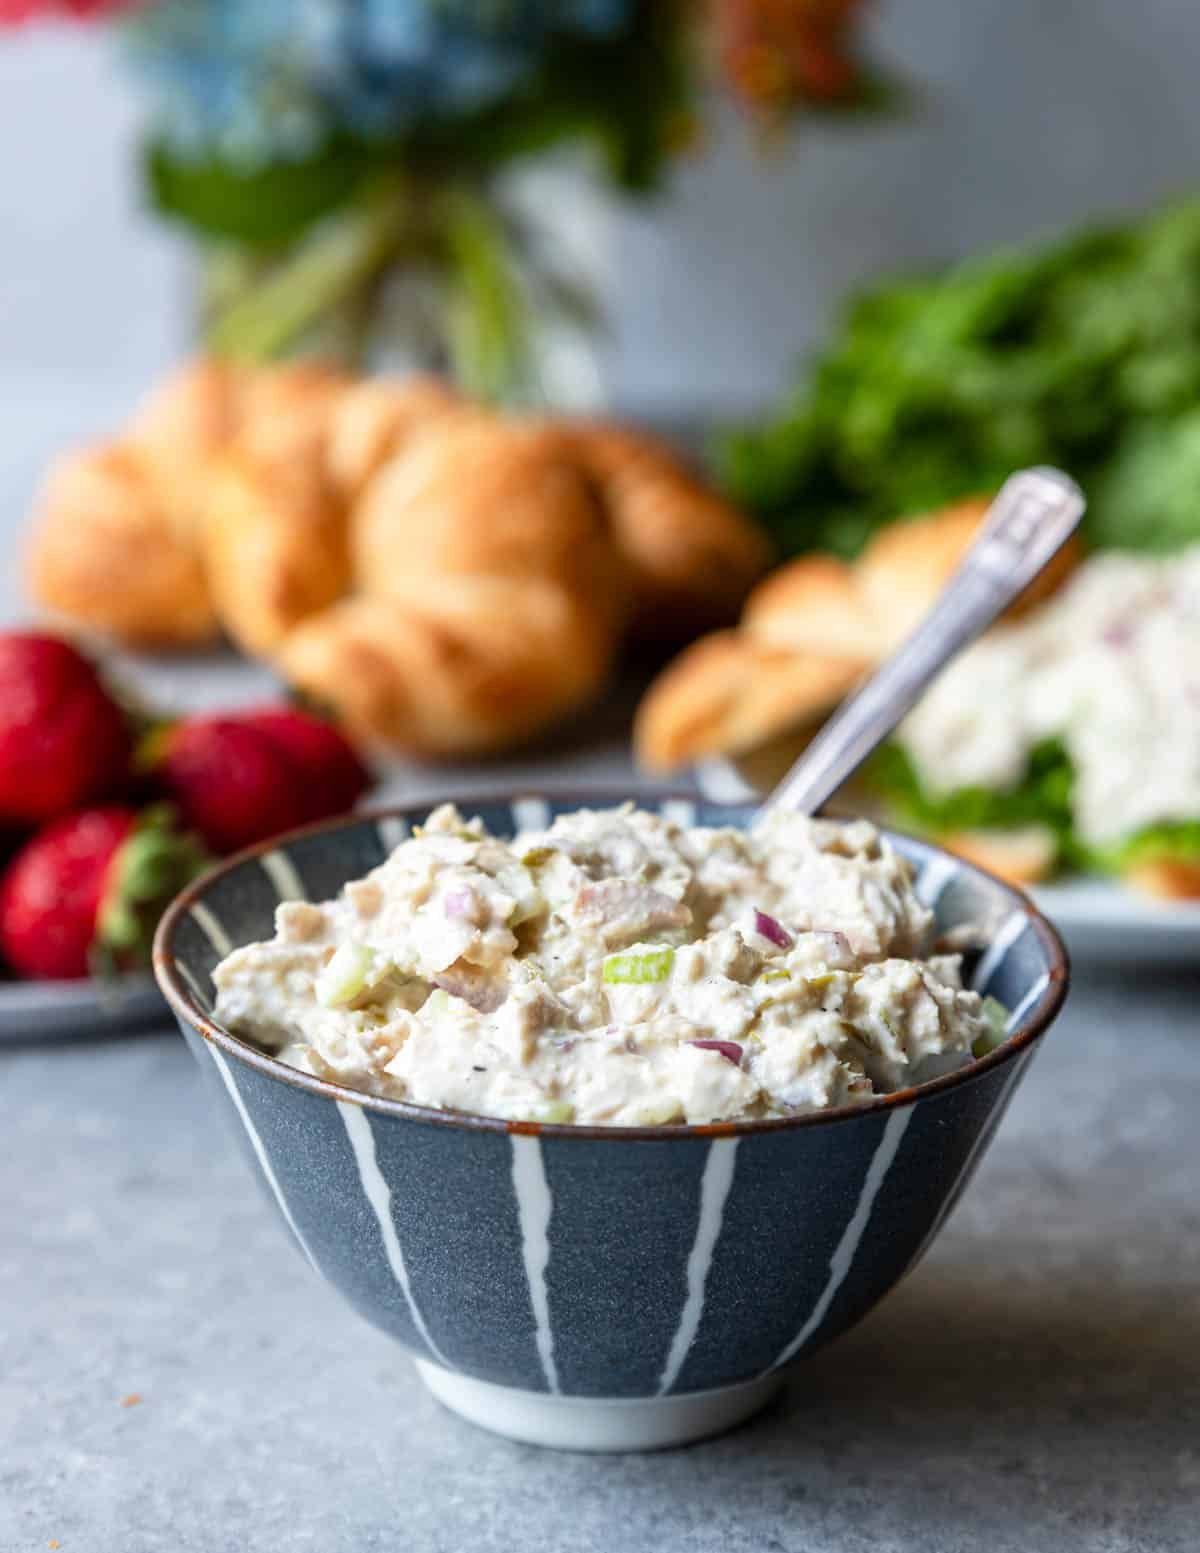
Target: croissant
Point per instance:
(451, 579)
(374, 419)
(692, 556)
(812, 629)
(274, 545)
(490, 607)
(113, 553)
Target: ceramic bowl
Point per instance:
(601, 1288)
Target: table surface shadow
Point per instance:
(1035, 1384)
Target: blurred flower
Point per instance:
(253, 82)
(777, 51)
(14, 12)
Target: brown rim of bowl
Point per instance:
(1035, 1022)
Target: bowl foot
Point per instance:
(597, 1423)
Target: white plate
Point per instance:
(55, 1010)
(1098, 918)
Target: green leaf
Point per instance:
(262, 206)
(490, 322)
(1170, 839)
(1043, 796)
(1085, 353)
(325, 271)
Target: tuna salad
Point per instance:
(1110, 669)
(615, 968)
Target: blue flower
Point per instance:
(255, 80)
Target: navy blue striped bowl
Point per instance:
(601, 1288)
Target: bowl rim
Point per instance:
(1034, 1023)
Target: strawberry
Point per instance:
(243, 777)
(84, 894)
(334, 776)
(231, 783)
(64, 741)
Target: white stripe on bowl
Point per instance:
(379, 1195)
(217, 936)
(281, 871)
(679, 811)
(1005, 938)
(530, 813)
(714, 1189)
(534, 1207)
(986, 1134)
(391, 830)
(842, 1259)
(194, 986)
(260, 1151)
(1027, 1002)
(934, 878)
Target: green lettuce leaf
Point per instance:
(1043, 797)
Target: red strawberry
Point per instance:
(334, 778)
(63, 739)
(232, 784)
(85, 893)
(243, 777)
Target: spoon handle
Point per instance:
(1032, 517)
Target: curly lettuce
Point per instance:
(1085, 353)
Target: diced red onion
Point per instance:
(460, 903)
(774, 932)
(730, 1050)
(1117, 634)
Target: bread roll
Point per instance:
(274, 544)
(489, 607)
(815, 623)
(720, 693)
(1022, 856)
(1172, 879)
(374, 419)
(105, 554)
(907, 564)
(692, 556)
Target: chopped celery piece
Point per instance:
(647, 966)
(995, 1016)
(552, 1111)
(776, 976)
(345, 976)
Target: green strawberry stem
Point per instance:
(150, 867)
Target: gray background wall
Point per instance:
(1028, 114)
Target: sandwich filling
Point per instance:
(615, 968)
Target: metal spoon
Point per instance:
(1035, 513)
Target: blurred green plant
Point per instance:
(1085, 354)
(341, 163)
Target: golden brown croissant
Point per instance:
(692, 556)
(729, 691)
(106, 553)
(274, 545)
(810, 630)
(374, 419)
(452, 579)
(490, 607)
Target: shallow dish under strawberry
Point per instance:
(74, 1010)
(602, 1287)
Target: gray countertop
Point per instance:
(1033, 1385)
